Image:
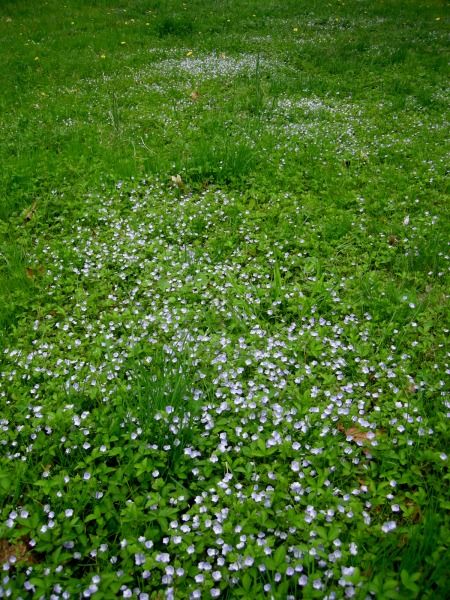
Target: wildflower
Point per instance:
(163, 557)
(388, 526)
(139, 559)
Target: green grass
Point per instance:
(224, 271)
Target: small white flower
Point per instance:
(295, 466)
(163, 557)
(317, 584)
(388, 526)
(139, 559)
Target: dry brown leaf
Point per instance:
(356, 434)
(29, 212)
(19, 549)
(32, 272)
(393, 240)
(177, 181)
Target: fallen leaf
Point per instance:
(393, 240)
(19, 550)
(32, 272)
(29, 213)
(177, 181)
(357, 435)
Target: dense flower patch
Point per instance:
(226, 421)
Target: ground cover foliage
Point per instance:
(224, 272)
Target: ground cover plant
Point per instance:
(224, 270)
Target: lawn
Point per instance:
(224, 299)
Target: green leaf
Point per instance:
(279, 556)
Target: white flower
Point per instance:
(163, 557)
(139, 559)
(295, 466)
(388, 526)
